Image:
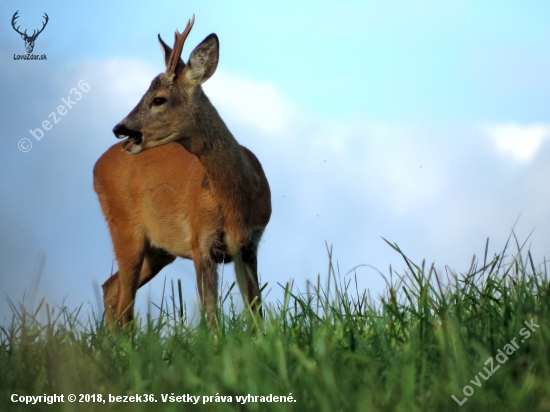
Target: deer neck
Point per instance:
(229, 174)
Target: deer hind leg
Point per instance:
(207, 284)
(153, 262)
(246, 270)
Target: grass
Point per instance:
(331, 349)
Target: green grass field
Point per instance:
(482, 337)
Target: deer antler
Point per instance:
(43, 26)
(179, 39)
(34, 33)
(15, 16)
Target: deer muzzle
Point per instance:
(135, 138)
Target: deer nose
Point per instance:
(121, 131)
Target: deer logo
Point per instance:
(29, 40)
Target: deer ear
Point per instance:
(203, 61)
(167, 52)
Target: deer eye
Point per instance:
(157, 101)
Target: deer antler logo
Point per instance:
(29, 40)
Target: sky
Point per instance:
(425, 123)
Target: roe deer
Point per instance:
(196, 194)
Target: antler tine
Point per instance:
(178, 46)
(13, 19)
(45, 16)
(15, 16)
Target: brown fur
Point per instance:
(197, 195)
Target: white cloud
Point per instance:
(521, 142)
(257, 104)
(396, 166)
(125, 79)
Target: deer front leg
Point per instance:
(128, 280)
(207, 284)
(110, 300)
(246, 270)
(129, 249)
(118, 300)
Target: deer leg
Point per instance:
(153, 262)
(246, 270)
(207, 284)
(129, 246)
(110, 300)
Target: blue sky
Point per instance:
(423, 122)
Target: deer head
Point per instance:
(174, 106)
(29, 40)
